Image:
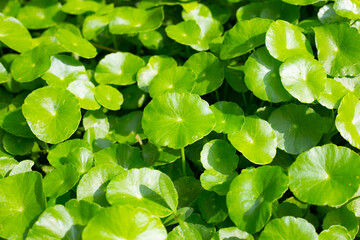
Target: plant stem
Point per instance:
(115, 42)
(183, 161)
(226, 90)
(244, 98)
(104, 47)
(217, 95)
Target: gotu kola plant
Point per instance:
(179, 119)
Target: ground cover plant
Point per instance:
(179, 119)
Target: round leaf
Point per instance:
(146, 188)
(304, 78)
(155, 66)
(229, 117)
(347, 8)
(84, 91)
(22, 200)
(30, 65)
(124, 222)
(220, 156)
(342, 217)
(262, 77)
(127, 20)
(181, 119)
(289, 228)
(92, 186)
(53, 114)
(335, 233)
(176, 79)
(347, 121)
(284, 40)
(118, 69)
(338, 49)
(232, 232)
(38, 14)
(17, 145)
(98, 121)
(75, 44)
(208, 70)
(326, 175)
(251, 194)
(243, 37)
(332, 94)
(297, 127)
(126, 128)
(15, 123)
(109, 97)
(256, 140)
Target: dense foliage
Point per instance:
(179, 119)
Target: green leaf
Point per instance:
(54, 223)
(284, 40)
(181, 119)
(78, 7)
(7, 163)
(212, 207)
(338, 49)
(229, 117)
(186, 32)
(60, 180)
(64, 70)
(84, 90)
(134, 98)
(301, 2)
(232, 233)
(124, 222)
(92, 186)
(53, 114)
(21, 201)
(17, 145)
(98, 121)
(220, 156)
(332, 94)
(154, 67)
(304, 78)
(175, 79)
(58, 153)
(75, 44)
(256, 140)
(335, 233)
(268, 9)
(22, 167)
(325, 175)
(109, 97)
(81, 158)
(15, 123)
(82, 211)
(39, 14)
(347, 8)
(343, 217)
(262, 77)
(184, 231)
(126, 128)
(209, 72)
(251, 195)
(289, 228)
(118, 69)
(4, 76)
(347, 120)
(30, 65)
(146, 188)
(215, 181)
(244, 37)
(188, 189)
(152, 40)
(297, 127)
(120, 154)
(127, 20)
(14, 35)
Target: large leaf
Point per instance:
(146, 188)
(53, 114)
(325, 175)
(181, 119)
(251, 194)
(21, 201)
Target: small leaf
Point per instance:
(229, 117)
(109, 97)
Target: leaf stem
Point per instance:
(244, 98)
(183, 161)
(217, 95)
(104, 48)
(226, 90)
(115, 42)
